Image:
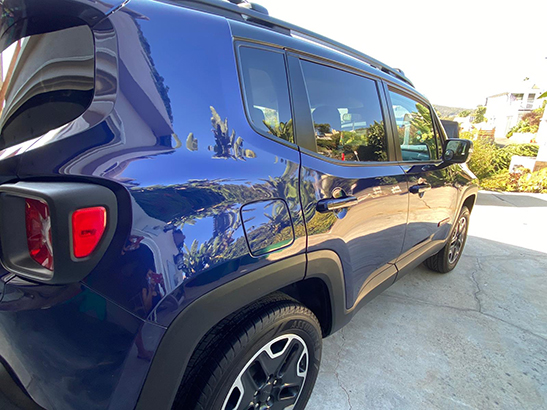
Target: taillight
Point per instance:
(38, 224)
(88, 226)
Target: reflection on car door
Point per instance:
(432, 193)
(355, 201)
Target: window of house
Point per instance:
(517, 97)
(266, 91)
(530, 102)
(347, 115)
(415, 129)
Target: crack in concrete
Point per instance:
(479, 290)
(338, 364)
(467, 310)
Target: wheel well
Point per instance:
(470, 202)
(314, 294)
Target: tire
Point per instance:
(264, 357)
(447, 258)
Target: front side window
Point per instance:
(347, 115)
(267, 91)
(415, 129)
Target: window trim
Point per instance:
(406, 93)
(391, 153)
(239, 44)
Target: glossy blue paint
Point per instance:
(203, 197)
(189, 160)
(268, 226)
(72, 348)
(369, 236)
(434, 206)
(187, 156)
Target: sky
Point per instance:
(456, 53)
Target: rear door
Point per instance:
(433, 194)
(355, 197)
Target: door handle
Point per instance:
(332, 204)
(419, 189)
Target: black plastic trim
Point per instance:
(192, 324)
(12, 389)
(62, 199)
(189, 327)
(302, 118)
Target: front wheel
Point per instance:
(447, 258)
(267, 358)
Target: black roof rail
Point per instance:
(259, 14)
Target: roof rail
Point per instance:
(258, 14)
(249, 5)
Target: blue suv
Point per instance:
(193, 194)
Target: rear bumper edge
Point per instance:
(13, 392)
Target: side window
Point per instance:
(347, 115)
(415, 128)
(267, 91)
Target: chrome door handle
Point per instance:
(419, 189)
(332, 204)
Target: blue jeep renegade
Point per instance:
(193, 194)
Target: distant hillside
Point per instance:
(446, 112)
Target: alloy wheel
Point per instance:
(274, 377)
(457, 240)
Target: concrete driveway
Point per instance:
(474, 338)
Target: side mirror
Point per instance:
(457, 151)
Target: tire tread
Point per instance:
(220, 345)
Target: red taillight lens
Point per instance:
(38, 223)
(88, 226)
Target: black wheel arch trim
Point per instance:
(192, 324)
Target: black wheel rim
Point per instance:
(274, 377)
(457, 240)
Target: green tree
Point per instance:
(479, 114)
(464, 113)
(283, 130)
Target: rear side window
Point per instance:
(266, 91)
(415, 129)
(347, 115)
(47, 81)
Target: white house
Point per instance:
(504, 110)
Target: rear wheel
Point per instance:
(447, 258)
(265, 358)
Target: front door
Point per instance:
(355, 200)
(433, 196)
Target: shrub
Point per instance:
(534, 182)
(488, 159)
(490, 163)
(529, 121)
(504, 155)
(502, 181)
(483, 159)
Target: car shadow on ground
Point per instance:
(512, 199)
